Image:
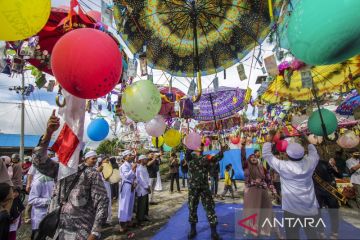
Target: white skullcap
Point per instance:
(142, 157)
(125, 153)
(90, 154)
(295, 151)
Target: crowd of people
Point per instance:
(84, 199)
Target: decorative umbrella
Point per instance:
(215, 105)
(349, 104)
(168, 98)
(187, 37)
(327, 79)
(224, 125)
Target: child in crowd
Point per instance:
(227, 182)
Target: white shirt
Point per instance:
(143, 180)
(297, 187)
(126, 172)
(355, 177)
(35, 173)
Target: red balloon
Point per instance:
(235, 140)
(277, 137)
(281, 145)
(87, 63)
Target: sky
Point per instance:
(40, 103)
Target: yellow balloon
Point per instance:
(160, 141)
(21, 19)
(172, 138)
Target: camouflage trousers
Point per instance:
(195, 193)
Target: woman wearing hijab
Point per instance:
(256, 197)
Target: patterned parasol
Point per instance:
(184, 37)
(168, 98)
(349, 104)
(327, 79)
(220, 104)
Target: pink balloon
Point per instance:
(207, 142)
(348, 140)
(193, 141)
(156, 126)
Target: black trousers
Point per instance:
(174, 176)
(115, 190)
(325, 199)
(142, 207)
(292, 232)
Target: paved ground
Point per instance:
(167, 205)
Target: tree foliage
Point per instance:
(110, 147)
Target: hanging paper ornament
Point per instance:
(330, 122)
(141, 101)
(172, 137)
(157, 143)
(98, 129)
(348, 140)
(87, 63)
(156, 126)
(324, 32)
(22, 19)
(192, 141)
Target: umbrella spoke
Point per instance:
(207, 44)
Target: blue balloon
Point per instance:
(98, 129)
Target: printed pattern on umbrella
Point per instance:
(349, 104)
(220, 104)
(223, 125)
(226, 31)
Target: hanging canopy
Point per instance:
(184, 37)
(220, 104)
(327, 79)
(349, 104)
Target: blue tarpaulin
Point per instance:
(231, 156)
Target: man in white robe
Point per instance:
(127, 190)
(297, 188)
(143, 188)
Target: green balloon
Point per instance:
(322, 32)
(166, 148)
(141, 101)
(330, 121)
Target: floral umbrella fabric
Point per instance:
(328, 79)
(220, 104)
(225, 31)
(349, 104)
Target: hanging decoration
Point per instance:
(20, 20)
(98, 129)
(156, 126)
(192, 141)
(348, 140)
(172, 138)
(331, 23)
(141, 101)
(327, 121)
(87, 63)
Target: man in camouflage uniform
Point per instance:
(199, 166)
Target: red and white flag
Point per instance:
(69, 142)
